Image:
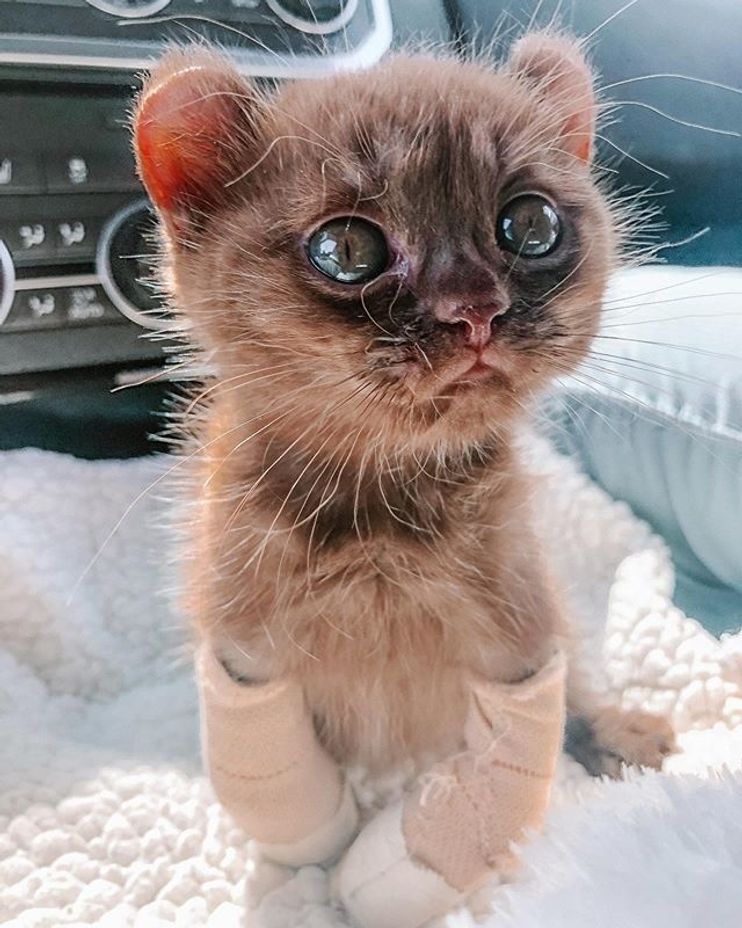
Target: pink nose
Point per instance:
(474, 321)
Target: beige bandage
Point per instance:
(455, 829)
(269, 770)
(462, 820)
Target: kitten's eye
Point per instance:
(529, 226)
(349, 250)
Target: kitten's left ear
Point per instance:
(557, 68)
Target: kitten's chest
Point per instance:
(387, 678)
(380, 615)
(384, 641)
(383, 715)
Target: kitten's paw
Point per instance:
(635, 737)
(618, 737)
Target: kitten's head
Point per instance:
(407, 252)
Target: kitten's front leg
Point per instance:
(268, 768)
(419, 858)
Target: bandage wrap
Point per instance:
(419, 857)
(269, 770)
(463, 818)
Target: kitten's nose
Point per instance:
(473, 319)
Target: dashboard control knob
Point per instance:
(7, 281)
(315, 16)
(129, 9)
(125, 263)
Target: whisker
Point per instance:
(607, 21)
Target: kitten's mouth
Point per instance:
(480, 370)
(468, 372)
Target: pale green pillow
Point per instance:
(655, 416)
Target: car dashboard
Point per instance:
(76, 231)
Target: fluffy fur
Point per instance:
(361, 520)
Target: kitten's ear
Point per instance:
(557, 68)
(193, 121)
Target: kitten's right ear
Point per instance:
(557, 69)
(193, 122)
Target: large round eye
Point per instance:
(349, 250)
(529, 226)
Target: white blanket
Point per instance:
(106, 819)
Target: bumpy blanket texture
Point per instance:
(107, 820)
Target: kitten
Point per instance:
(383, 269)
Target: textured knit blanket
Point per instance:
(106, 818)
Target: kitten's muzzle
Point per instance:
(472, 321)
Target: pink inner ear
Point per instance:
(180, 131)
(577, 135)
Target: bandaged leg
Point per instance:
(420, 858)
(269, 770)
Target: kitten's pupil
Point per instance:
(529, 226)
(348, 250)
